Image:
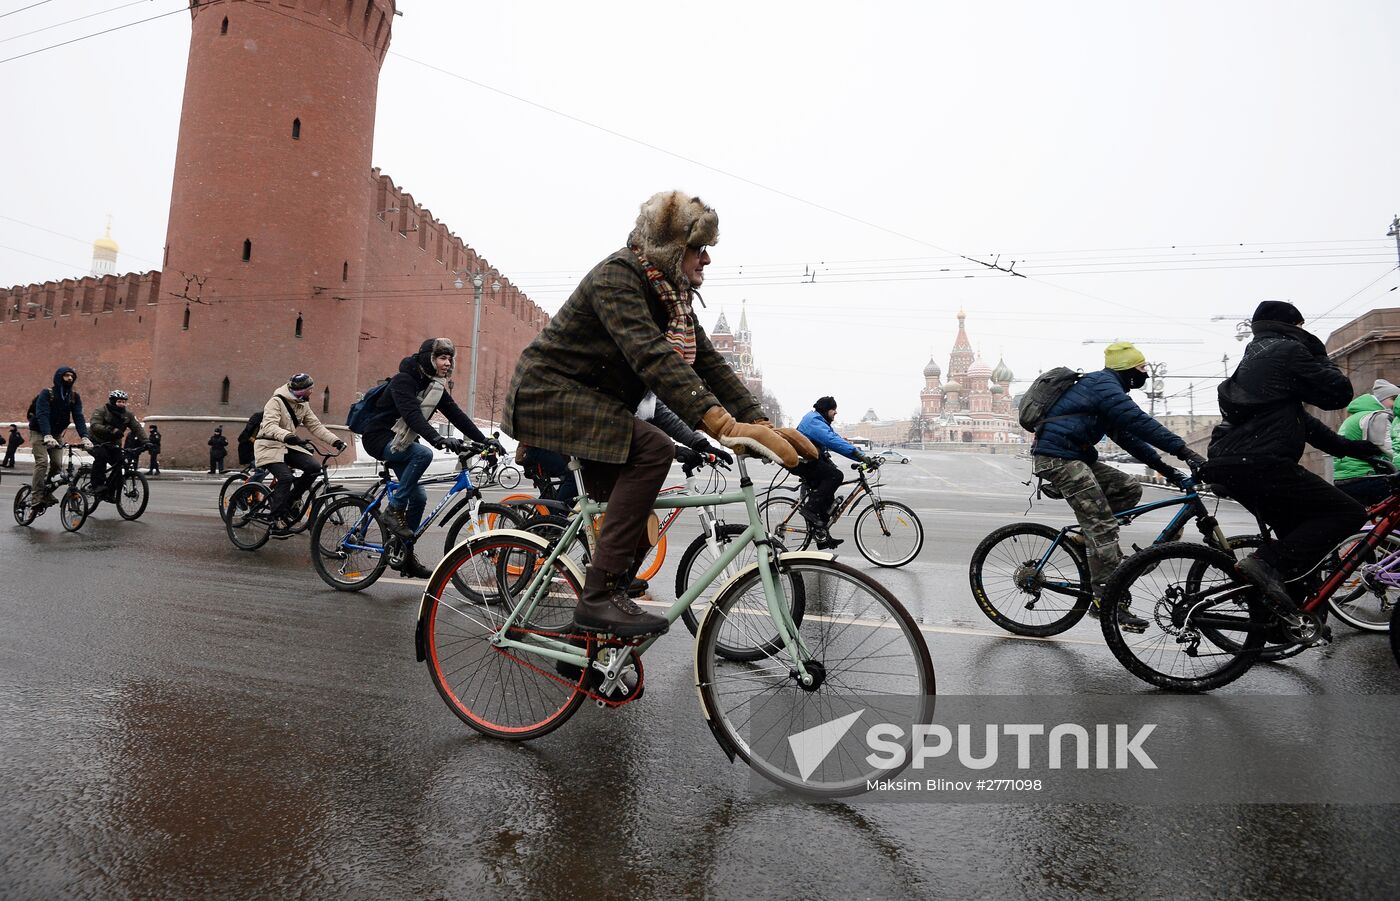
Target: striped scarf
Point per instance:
(680, 319)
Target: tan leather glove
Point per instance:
(760, 439)
(800, 443)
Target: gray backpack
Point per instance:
(1047, 388)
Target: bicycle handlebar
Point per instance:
(709, 460)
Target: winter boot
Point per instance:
(605, 607)
(413, 568)
(396, 521)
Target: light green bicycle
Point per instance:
(495, 629)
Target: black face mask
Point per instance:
(1134, 378)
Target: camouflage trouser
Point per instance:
(1095, 491)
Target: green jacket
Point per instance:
(577, 386)
(109, 423)
(1378, 429)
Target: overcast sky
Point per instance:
(1150, 165)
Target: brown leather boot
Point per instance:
(605, 607)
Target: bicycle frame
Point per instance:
(755, 534)
(460, 482)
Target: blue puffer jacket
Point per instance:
(820, 433)
(1096, 406)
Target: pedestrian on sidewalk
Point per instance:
(154, 468)
(218, 449)
(12, 445)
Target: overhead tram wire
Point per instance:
(172, 12)
(100, 12)
(23, 8)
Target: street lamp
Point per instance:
(478, 280)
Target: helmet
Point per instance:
(117, 395)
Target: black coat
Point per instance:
(154, 439)
(218, 446)
(15, 439)
(401, 401)
(1283, 368)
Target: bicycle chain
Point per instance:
(588, 648)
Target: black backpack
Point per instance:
(1047, 388)
(250, 431)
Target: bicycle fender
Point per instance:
(439, 576)
(552, 506)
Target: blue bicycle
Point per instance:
(351, 548)
(1033, 579)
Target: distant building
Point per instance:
(104, 254)
(737, 349)
(975, 405)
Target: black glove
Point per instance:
(338, 444)
(704, 447)
(687, 457)
(456, 445)
(1174, 476)
(500, 448)
(1193, 460)
(295, 441)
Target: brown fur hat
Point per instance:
(670, 222)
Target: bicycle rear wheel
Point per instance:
(867, 659)
(698, 558)
(1204, 628)
(73, 510)
(1025, 587)
(504, 693)
(509, 477)
(132, 496)
(24, 512)
(347, 544)
(889, 534)
(248, 523)
(783, 522)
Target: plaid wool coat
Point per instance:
(577, 386)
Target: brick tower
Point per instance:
(268, 212)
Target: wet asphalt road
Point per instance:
(184, 719)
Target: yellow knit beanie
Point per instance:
(1122, 355)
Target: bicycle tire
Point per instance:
(784, 523)
(504, 694)
(1011, 555)
(491, 516)
(854, 670)
(1356, 603)
(342, 520)
(82, 480)
(73, 510)
(889, 518)
(694, 615)
(24, 512)
(132, 496)
(1277, 646)
(551, 527)
(246, 528)
(1160, 584)
(508, 477)
(238, 478)
(652, 562)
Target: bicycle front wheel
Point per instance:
(863, 653)
(24, 512)
(500, 692)
(1363, 602)
(783, 522)
(1024, 586)
(1204, 628)
(698, 558)
(73, 510)
(133, 496)
(347, 544)
(226, 490)
(248, 524)
(889, 534)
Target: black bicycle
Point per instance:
(249, 523)
(26, 511)
(130, 496)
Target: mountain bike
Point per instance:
(888, 533)
(351, 548)
(72, 475)
(1033, 579)
(249, 523)
(495, 630)
(1207, 625)
(81, 500)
